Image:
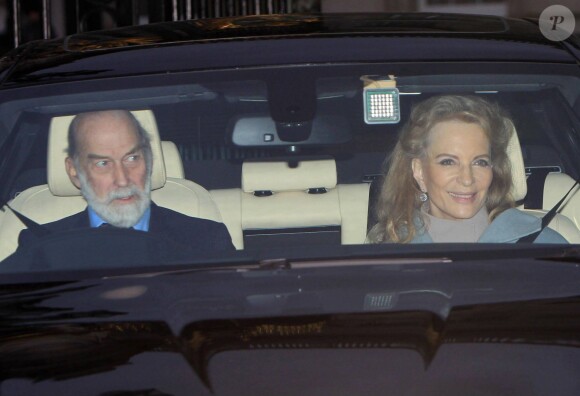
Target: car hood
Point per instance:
(475, 327)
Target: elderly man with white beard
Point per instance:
(110, 161)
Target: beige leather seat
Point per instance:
(555, 187)
(561, 223)
(60, 198)
(172, 160)
(281, 205)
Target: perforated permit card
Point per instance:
(381, 101)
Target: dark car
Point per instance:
(270, 125)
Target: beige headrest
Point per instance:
(514, 152)
(58, 180)
(279, 176)
(173, 163)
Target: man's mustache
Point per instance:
(123, 192)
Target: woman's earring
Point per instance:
(423, 197)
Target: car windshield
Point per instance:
(290, 157)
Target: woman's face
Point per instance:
(456, 171)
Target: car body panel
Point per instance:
(280, 40)
(456, 327)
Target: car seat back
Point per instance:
(561, 223)
(556, 186)
(290, 204)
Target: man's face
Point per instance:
(111, 169)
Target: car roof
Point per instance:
(254, 41)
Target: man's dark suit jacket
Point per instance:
(195, 233)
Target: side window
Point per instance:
(28, 162)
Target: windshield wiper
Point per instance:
(568, 256)
(282, 263)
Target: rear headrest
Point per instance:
(279, 176)
(514, 152)
(58, 180)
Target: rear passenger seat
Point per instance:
(283, 205)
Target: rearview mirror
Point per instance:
(264, 131)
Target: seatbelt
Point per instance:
(37, 229)
(374, 192)
(546, 219)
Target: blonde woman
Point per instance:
(449, 179)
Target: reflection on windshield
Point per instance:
(57, 351)
(537, 323)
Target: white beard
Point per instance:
(124, 215)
